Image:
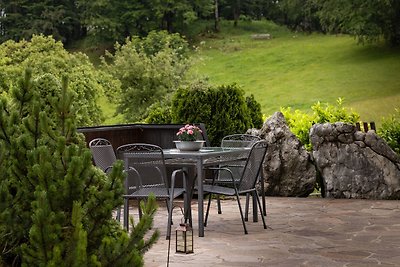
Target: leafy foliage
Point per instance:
(334, 113)
(390, 131)
(55, 206)
(148, 74)
(49, 61)
(20, 19)
(300, 122)
(366, 20)
(223, 109)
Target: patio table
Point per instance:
(207, 156)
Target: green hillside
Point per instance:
(297, 70)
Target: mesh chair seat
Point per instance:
(221, 190)
(159, 192)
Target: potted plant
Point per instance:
(188, 138)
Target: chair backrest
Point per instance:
(148, 161)
(103, 153)
(253, 167)
(236, 140)
(239, 140)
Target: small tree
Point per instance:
(148, 73)
(55, 206)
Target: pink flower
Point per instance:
(188, 133)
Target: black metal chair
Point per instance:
(224, 178)
(246, 184)
(148, 175)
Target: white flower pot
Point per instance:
(189, 145)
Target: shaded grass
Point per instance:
(298, 70)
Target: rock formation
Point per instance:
(354, 164)
(288, 170)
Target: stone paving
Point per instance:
(301, 232)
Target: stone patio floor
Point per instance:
(301, 232)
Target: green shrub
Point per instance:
(49, 61)
(223, 109)
(255, 111)
(300, 122)
(390, 131)
(334, 113)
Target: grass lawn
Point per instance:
(297, 70)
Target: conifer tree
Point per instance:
(55, 206)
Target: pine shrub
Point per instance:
(55, 206)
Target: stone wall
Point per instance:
(354, 164)
(348, 162)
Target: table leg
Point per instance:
(200, 195)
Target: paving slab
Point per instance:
(301, 232)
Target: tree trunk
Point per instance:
(236, 13)
(216, 17)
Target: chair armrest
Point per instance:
(173, 177)
(136, 173)
(221, 169)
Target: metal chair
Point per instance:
(223, 178)
(103, 153)
(104, 157)
(247, 181)
(147, 171)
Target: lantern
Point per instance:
(184, 238)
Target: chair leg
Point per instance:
(140, 209)
(126, 213)
(208, 209)
(259, 205)
(241, 213)
(246, 213)
(219, 205)
(170, 207)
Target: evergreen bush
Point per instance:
(56, 208)
(223, 109)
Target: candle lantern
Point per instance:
(184, 238)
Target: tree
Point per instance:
(22, 18)
(119, 19)
(55, 206)
(368, 21)
(49, 61)
(149, 70)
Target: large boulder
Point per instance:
(288, 170)
(354, 164)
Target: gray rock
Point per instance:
(354, 164)
(288, 169)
